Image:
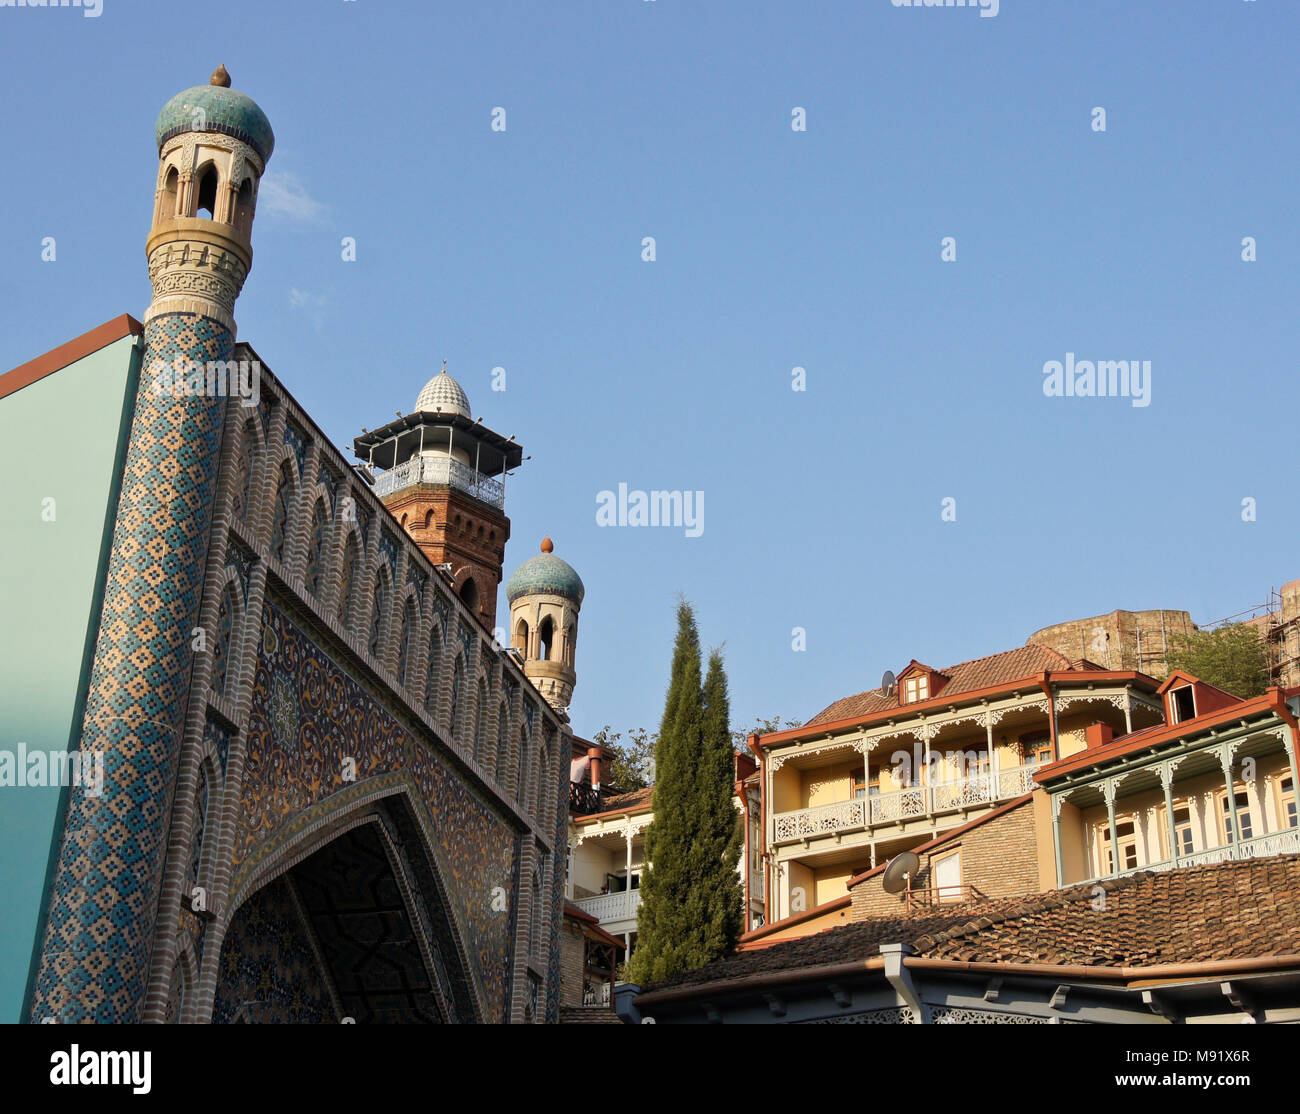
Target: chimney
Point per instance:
(594, 755)
(1098, 735)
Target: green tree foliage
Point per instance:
(633, 757)
(1230, 657)
(760, 726)
(690, 909)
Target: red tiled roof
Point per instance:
(1122, 745)
(967, 676)
(1227, 911)
(637, 800)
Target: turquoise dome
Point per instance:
(224, 110)
(546, 575)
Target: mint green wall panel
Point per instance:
(62, 437)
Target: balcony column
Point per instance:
(1225, 760)
(994, 782)
(1167, 781)
(1056, 840)
(1109, 790)
(1288, 741)
(627, 835)
(867, 748)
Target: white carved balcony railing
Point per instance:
(1275, 843)
(902, 804)
(888, 808)
(822, 820)
(442, 470)
(1015, 782)
(612, 907)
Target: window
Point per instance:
(431, 684)
(316, 554)
(546, 635)
(457, 677)
(863, 788)
(377, 613)
(945, 876)
(221, 649)
(469, 595)
(1286, 801)
(1126, 838)
(347, 580)
(280, 524)
(404, 642)
(480, 715)
(167, 204)
(1183, 701)
(1244, 819)
(503, 725)
(243, 473)
(1036, 748)
(207, 199)
(1185, 843)
(521, 780)
(916, 688)
(243, 217)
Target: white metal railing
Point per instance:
(611, 907)
(442, 470)
(903, 804)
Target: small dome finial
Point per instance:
(220, 77)
(548, 546)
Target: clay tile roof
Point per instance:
(1231, 910)
(967, 676)
(635, 799)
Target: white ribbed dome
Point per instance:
(443, 393)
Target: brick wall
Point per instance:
(573, 954)
(998, 857)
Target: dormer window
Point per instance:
(1183, 703)
(916, 688)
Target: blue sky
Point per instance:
(775, 249)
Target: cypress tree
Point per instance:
(688, 917)
(721, 836)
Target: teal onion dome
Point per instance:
(546, 575)
(216, 108)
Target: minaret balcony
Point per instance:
(442, 470)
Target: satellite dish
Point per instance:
(900, 871)
(888, 683)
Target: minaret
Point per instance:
(213, 144)
(545, 595)
(440, 482)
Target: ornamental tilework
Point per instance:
(95, 952)
(309, 714)
(417, 577)
(331, 482)
(388, 551)
(297, 441)
(240, 562)
(217, 740)
(269, 971)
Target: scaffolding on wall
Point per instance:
(1279, 631)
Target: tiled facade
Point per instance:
(302, 723)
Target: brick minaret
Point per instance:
(441, 483)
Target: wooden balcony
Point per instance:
(902, 804)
